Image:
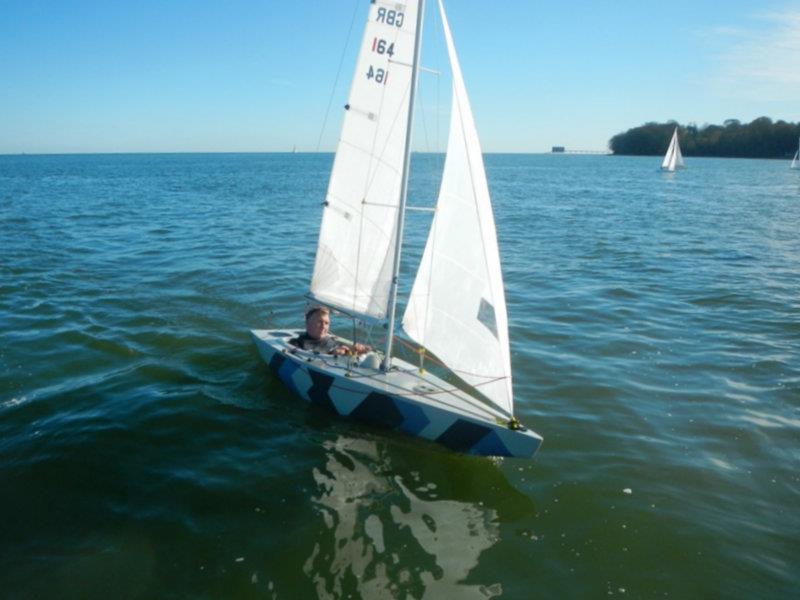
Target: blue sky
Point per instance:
(247, 75)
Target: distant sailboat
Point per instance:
(456, 308)
(796, 160)
(673, 158)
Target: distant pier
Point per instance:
(563, 150)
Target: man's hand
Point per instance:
(354, 349)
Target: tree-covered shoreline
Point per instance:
(762, 138)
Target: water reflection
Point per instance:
(387, 534)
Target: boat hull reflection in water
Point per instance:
(394, 536)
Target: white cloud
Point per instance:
(761, 62)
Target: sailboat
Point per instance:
(796, 160)
(456, 309)
(673, 158)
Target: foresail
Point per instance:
(457, 306)
(796, 160)
(355, 250)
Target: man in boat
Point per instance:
(317, 339)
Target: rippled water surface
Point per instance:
(145, 451)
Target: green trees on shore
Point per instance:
(759, 139)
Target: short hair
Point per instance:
(317, 309)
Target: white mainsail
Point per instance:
(457, 307)
(796, 160)
(673, 158)
(355, 251)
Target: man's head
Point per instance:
(318, 321)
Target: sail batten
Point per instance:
(456, 308)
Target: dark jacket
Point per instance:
(325, 345)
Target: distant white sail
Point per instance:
(673, 158)
(352, 271)
(796, 160)
(457, 306)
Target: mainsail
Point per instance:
(796, 160)
(673, 158)
(355, 251)
(457, 306)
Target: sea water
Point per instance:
(146, 451)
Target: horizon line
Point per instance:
(88, 153)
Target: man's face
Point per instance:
(317, 325)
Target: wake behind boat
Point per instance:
(456, 308)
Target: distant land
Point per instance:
(759, 139)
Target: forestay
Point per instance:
(352, 271)
(467, 328)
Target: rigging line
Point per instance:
(417, 208)
(489, 378)
(379, 157)
(438, 88)
(432, 238)
(472, 410)
(424, 125)
(474, 407)
(338, 72)
(475, 403)
(366, 153)
(432, 234)
(422, 107)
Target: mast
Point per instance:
(401, 217)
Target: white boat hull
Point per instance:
(419, 404)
